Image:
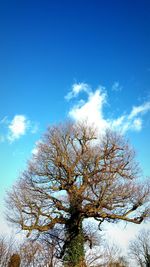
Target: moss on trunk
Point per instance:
(74, 251)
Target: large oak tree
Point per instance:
(78, 174)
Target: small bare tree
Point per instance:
(113, 256)
(74, 176)
(6, 250)
(140, 248)
(93, 245)
(105, 254)
(3, 251)
(30, 253)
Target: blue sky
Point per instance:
(70, 59)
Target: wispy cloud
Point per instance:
(76, 89)
(92, 110)
(17, 127)
(136, 110)
(4, 120)
(3, 124)
(124, 124)
(116, 86)
(133, 120)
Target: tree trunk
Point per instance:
(74, 246)
(74, 252)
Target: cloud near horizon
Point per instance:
(92, 110)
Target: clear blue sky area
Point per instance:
(47, 46)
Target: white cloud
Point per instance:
(139, 110)
(133, 120)
(124, 123)
(17, 127)
(137, 124)
(76, 89)
(118, 122)
(92, 111)
(116, 86)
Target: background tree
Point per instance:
(37, 254)
(14, 261)
(7, 248)
(93, 245)
(4, 255)
(31, 254)
(140, 248)
(74, 176)
(113, 256)
(27, 253)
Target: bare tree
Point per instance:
(113, 256)
(93, 245)
(6, 250)
(28, 253)
(77, 175)
(3, 251)
(31, 253)
(36, 254)
(105, 254)
(140, 248)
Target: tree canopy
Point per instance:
(78, 174)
